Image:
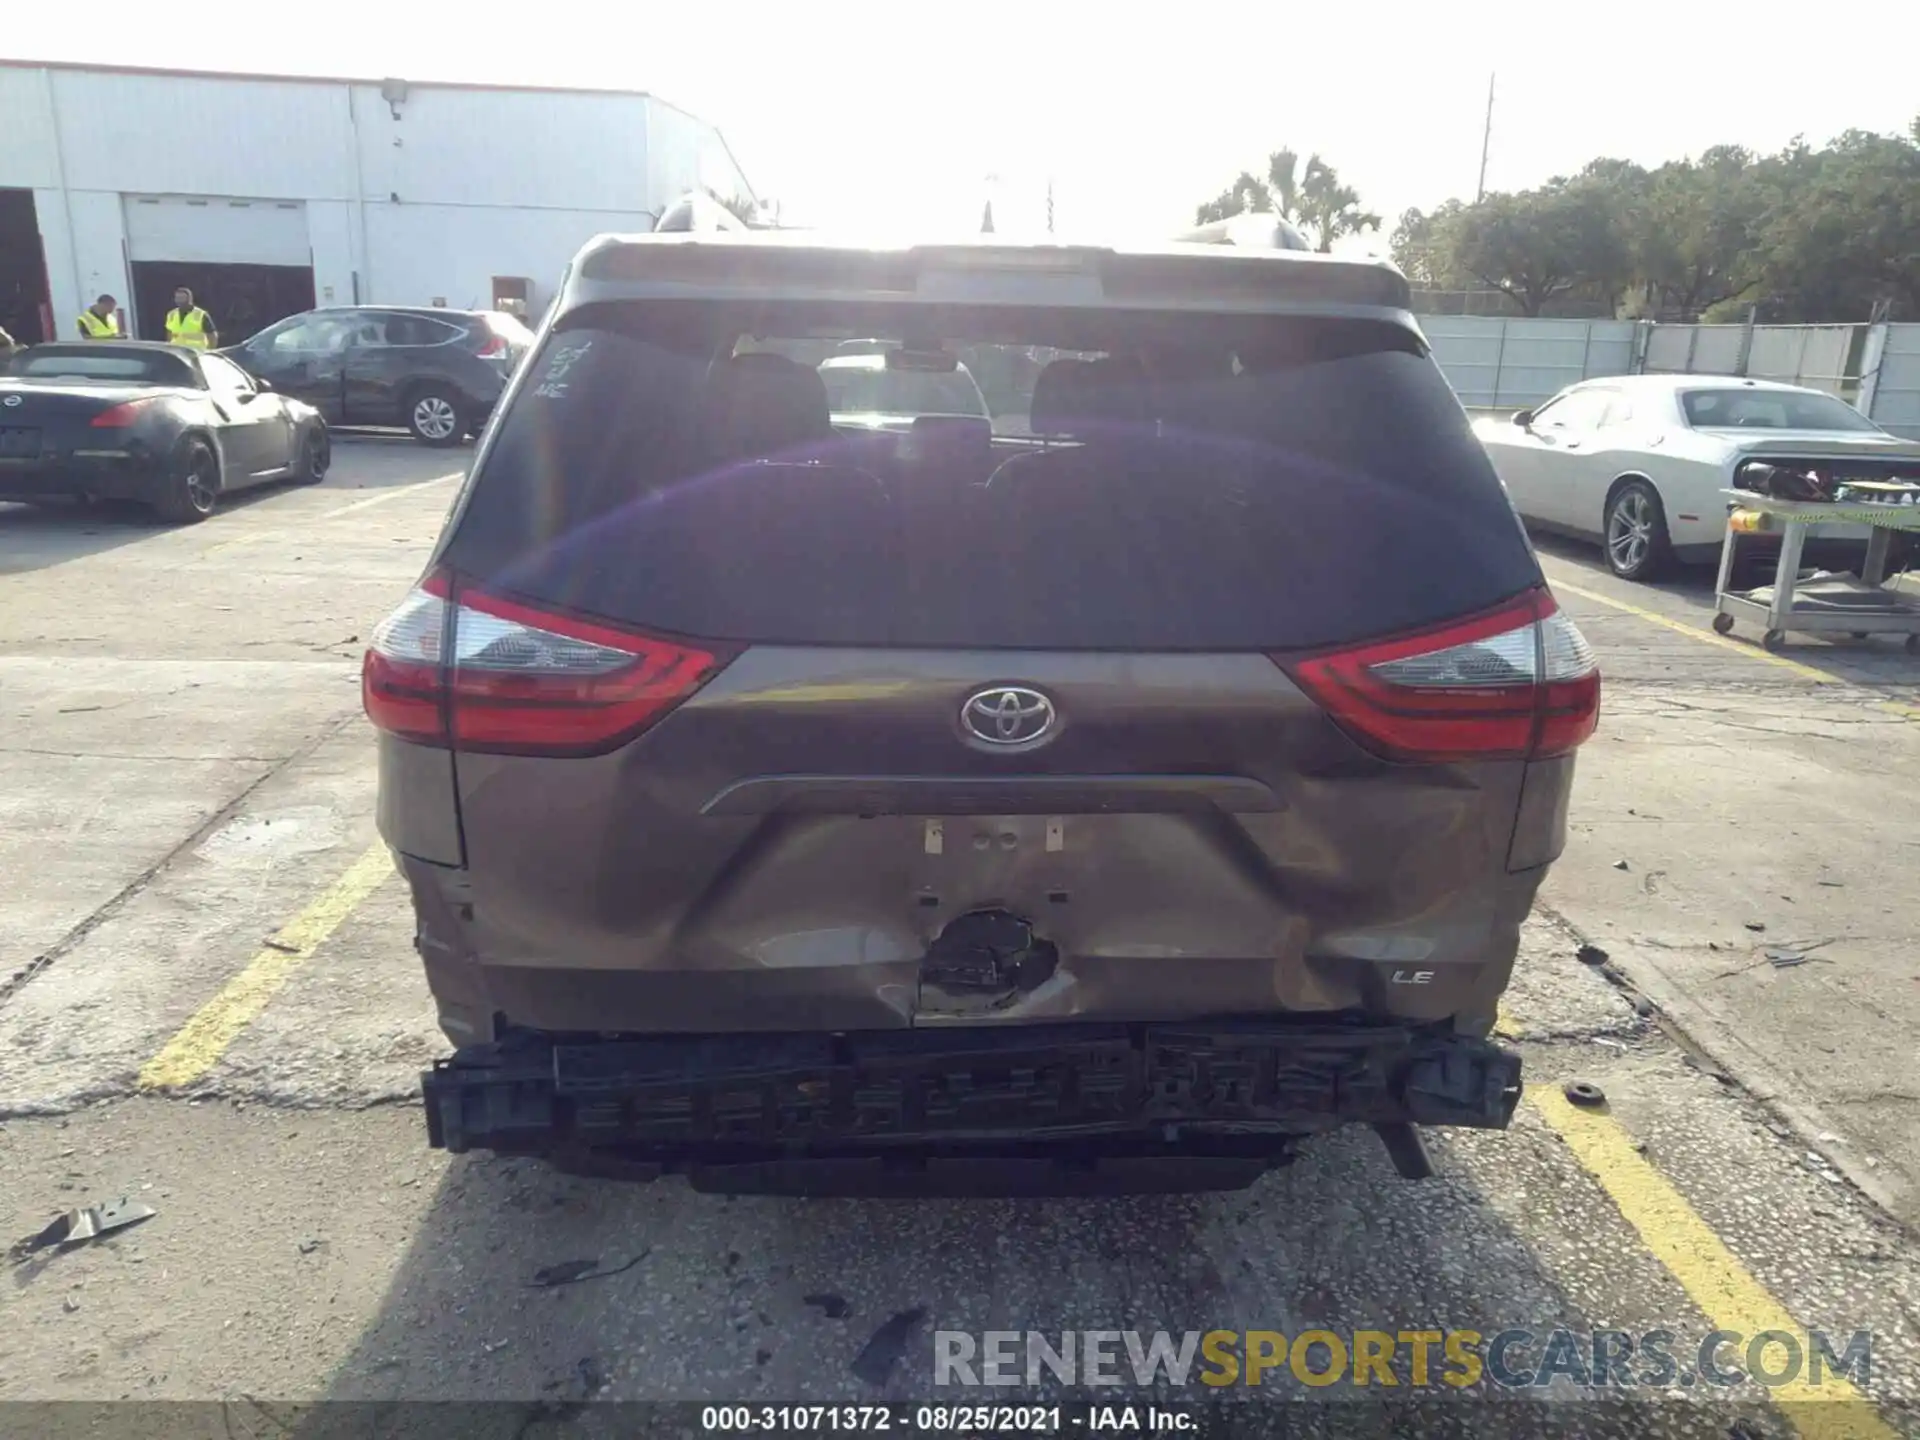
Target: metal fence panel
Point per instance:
(1695, 349)
(1896, 390)
(1670, 348)
(1507, 362)
(1467, 349)
(1811, 355)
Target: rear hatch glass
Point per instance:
(1141, 481)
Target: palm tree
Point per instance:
(1245, 194)
(1312, 197)
(1283, 182)
(1330, 208)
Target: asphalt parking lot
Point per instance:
(209, 1003)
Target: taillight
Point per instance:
(1519, 682)
(486, 674)
(118, 417)
(495, 348)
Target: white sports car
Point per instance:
(1638, 462)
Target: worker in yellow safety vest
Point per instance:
(188, 324)
(100, 320)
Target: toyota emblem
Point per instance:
(1008, 717)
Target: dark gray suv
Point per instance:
(1110, 794)
(437, 372)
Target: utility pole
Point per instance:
(1486, 140)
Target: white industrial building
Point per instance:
(268, 195)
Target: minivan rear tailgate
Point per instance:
(1191, 837)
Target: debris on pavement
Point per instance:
(1785, 957)
(884, 1348)
(834, 1307)
(310, 1244)
(1756, 925)
(1621, 865)
(573, 1272)
(1584, 1093)
(76, 1227)
(1591, 954)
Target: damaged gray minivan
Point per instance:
(1107, 793)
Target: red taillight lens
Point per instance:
(494, 348)
(400, 678)
(120, 416)
(1519, 682)
(487, 674)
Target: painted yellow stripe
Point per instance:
(1707, 637)
(1694, 632)
(1712, 1275)
(255, 537)
(202, 1040)
(385, 495)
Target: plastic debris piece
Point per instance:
(1591, 955)
(882, 1352)
(76, 1227)
(572, 1272)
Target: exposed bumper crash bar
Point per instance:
(1220, 1088)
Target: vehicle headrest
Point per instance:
(1061, 405)
(760, 404)
(1117, 390)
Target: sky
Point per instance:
(854, 114)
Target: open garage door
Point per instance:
(248, 262)
(216, 231)
(24, 312)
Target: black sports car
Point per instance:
(134, 420)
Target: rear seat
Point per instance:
(760, 406)
(1101, 403)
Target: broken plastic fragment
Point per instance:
(884, 1348)
(76, 1227)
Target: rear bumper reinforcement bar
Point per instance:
(1219, 1086)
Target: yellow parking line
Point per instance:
(200, 1043)
(393, 494)
(1724, 1289)
(254, 537)
(1694, 632)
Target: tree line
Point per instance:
(1810, 233)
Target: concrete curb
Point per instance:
(1748, 1068)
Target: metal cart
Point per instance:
(1828, 604)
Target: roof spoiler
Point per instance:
(695, 211)
(1260, 230)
